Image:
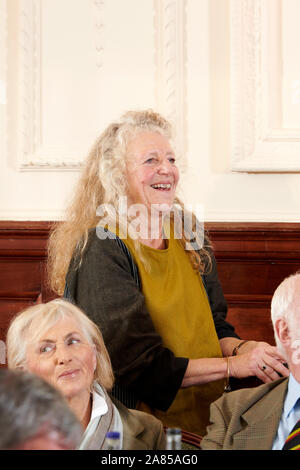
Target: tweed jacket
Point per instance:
(141, 431)
(246, 419)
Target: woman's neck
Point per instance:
(153, 226)
(157, 243)
(82, 408)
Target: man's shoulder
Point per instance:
(244, 397)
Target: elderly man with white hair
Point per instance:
(265, 417)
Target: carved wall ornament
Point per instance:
(170, 27)
(260, 141)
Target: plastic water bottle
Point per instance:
(173, 439)
(113, 440)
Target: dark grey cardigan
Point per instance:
(106, 287)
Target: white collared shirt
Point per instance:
(290, 413)
(99, 408)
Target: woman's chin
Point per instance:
(70, 391)
(163, 207)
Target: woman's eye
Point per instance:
(73, 341)
(150, 160)
(172, 160)
(46, 348)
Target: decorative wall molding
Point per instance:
(170, 46)
(29, 132)
(31, 215)
(32, 154)
(3, 75)
(170, 80)
(99, 30)
(276, 215)
(260, 143)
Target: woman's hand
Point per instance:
(253, 359)
(258, 359)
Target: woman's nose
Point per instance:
(63, 354)
(164, 166)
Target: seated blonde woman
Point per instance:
(59, 343)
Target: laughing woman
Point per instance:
(154, 294)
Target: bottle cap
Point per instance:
(113, 435)
(174, 431)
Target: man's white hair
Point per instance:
(286, 305)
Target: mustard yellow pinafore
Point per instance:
(178, 304)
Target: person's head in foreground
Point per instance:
(34, 415)
(60, 344)
(264, 417)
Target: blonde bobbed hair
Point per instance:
(29, 326)
(103, 181)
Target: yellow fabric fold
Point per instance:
(180, 310)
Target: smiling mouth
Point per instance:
(69, 374)
(162, 186)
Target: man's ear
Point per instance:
(283, 331)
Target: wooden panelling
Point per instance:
(22, 268)
(252, 261)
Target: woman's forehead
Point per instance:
(57, 328)
(146, 141)
(64, 326)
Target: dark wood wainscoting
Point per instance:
(253, 259)
(23, 253)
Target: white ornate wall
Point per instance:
(74, 76)
(265, 85)
(3, 63)
(226, 73)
